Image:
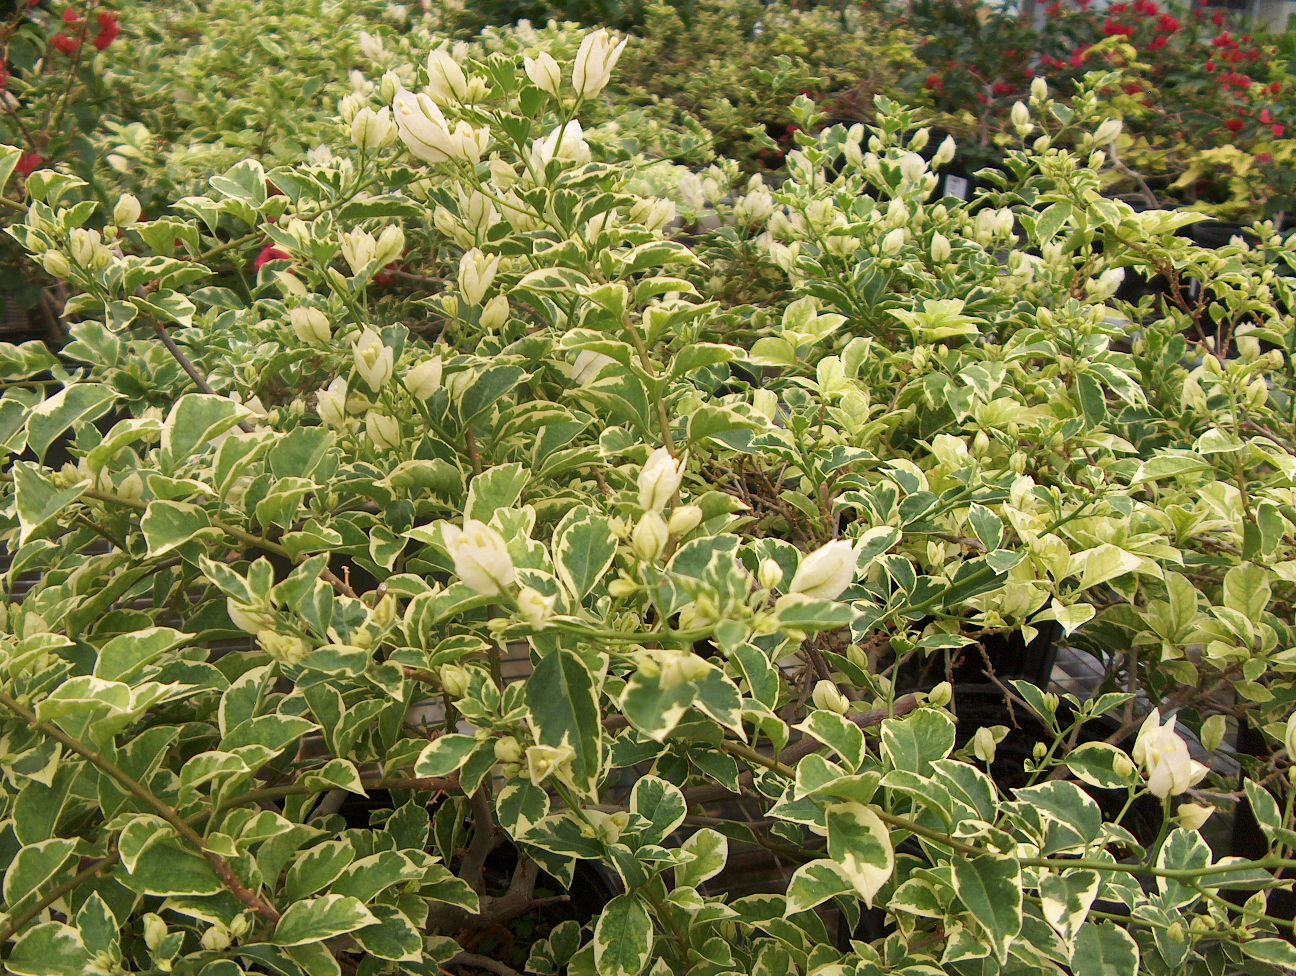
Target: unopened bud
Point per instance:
(684, 520)
(649, 537)
(454, 680)
(508, 749)
(310, 325)
(155, 930)
(826, 696)
(56, 264)
(127, 210)
(494, 313)
(984, 745)
(770, 573)
(940, 248)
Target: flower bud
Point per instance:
(454, 680)
(535, 607)
(984, 745)
(349, 105)
(155, 930)
(476, 274)
(1020, 115)
(826, 696)
(283, 647)
(1289, 737)
(544, 72)
(1192, 816)
(249, 618)
(372, 130)
(390, 245)
(912, 167)
(944, 153)
(358, 249)
(770, 573)
(481, 557)
(826, 572)
(56, 264)
(310, 325)
(384, 432)
(508, 749)
(1040, 750)
(389, 86)
(216, 938)
(446, 80)
(1108, 131)
(893, 242)
(1039, 89)
(127, 210)
(940, 248)
(494, 313)
(595, 60)
(684, 520)
(649, 537)
(621, 586)
(373, 360)
(85, 244)
(424, 379)
(941, 695)
(659, 479)
(332, 404)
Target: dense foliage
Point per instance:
(423, 521)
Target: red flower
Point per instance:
(1157, 42)
(269, 253)
(1133, 88)
(1275, 88)
(1111, 28)
(1078, 56)
(1264, 159)
(1210, 65)
(28, 162)
(1278, 129)
(1049, 61)
(1233, 125)
(933, 82)
(1246, 38)
(68, 45)
(1217, 18)
(1168, 23)
(107, 35)
(1053, 9)
(1146, 7)
(1265, 116)
(4, 76)
(70, 16)
(107, 17)
(1001, 88)
(1118, 8)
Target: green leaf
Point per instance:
(1276, 952)
(394, 937)
(317, 867)
(1246, 590)
(913, 742)
(126, 654)
(82, 402)
(196, 419)
(710, 850)
(583, 553)
(990, 888)
(1066, 899)
(168, 525)
(1105, 949)
(495, 488)
(565, 711)
(814, 883)
(39, 502)
(444, 754)
(49, 949)
(317, 919)
(34, 866)
(708, 421)
(841, 735)
(1101, 765)
(661, 804)
(623, 938)
(860, 844)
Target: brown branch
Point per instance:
(483, 841)
(481, 962)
